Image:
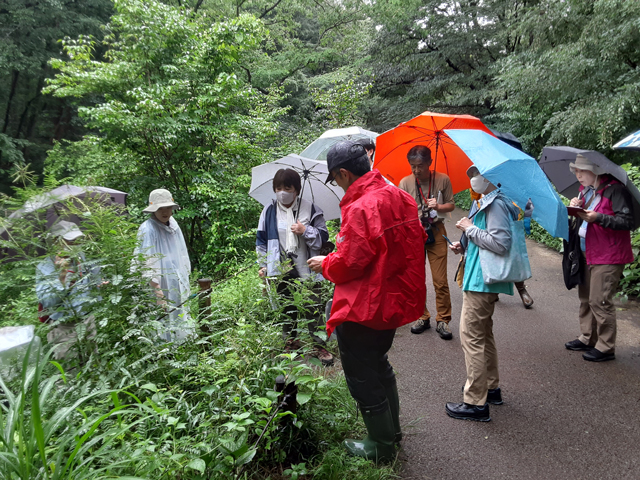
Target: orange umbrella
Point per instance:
(427, 129)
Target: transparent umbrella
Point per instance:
(313, 174)
(319, 148)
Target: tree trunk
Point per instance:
(14, 86)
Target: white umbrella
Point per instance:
(312, 173)
(319, 148)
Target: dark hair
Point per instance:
(358, 166)
(286, 177)
(367, 143)
(420, 152)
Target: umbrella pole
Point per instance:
(305, 177)
(435, 163)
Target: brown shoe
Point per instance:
(322, 354)
(527, 301)
(292, 345)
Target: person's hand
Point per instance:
(588, 216)
(576, 202)
(456, 248)
(433, 204)
(464, 223)
(315, 263)
(298, 228)
(262, 272)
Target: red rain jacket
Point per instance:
(378, 267)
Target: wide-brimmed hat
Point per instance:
(67, 230)
(583, 163)
(341, 153)
(160, 198)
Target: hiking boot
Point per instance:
(421, 325)
(444, 331)
(292, 345)
(322, 354)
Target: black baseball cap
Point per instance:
(341, 153)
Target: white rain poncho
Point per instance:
(169, 266)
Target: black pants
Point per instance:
(286, 289)
(363, 352)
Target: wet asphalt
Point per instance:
(562, 418)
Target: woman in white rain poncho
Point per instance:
(167, 265)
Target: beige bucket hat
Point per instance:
(160, 198)
(583, 163)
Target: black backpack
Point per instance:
(574, 264)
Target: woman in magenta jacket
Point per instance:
(606, 228)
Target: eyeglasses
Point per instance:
(333, 182)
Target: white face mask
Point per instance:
(286, 198)
(479, 184)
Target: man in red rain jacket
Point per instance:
(380, 286)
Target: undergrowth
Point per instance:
(137, 407)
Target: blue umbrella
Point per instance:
(632, 142)
(517, 175)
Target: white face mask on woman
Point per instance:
(479, 184)
(286, 198)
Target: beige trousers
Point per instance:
(478, 344)
(437, 258)
(597, 312)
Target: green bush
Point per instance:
(139, 407)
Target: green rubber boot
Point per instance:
(394, 406)
(378, 445)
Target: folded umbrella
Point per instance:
(427, 129)
(318, 149)
(555, 163)
(517, 175)
(312, 173)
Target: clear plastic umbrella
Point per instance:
(319, 148)
(313, 174)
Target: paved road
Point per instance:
(563, 417)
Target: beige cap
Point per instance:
(67, 230)
(160, 198)
(583, 163)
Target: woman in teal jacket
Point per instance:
(487, 227)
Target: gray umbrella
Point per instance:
(555, 164)
(46, 208)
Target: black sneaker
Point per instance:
(577, 345)
(466, 411)
(421, 325)
(594, 355)
(494, 396)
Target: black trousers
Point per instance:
(363, 353)
(286, 290)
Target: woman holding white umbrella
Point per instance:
(291, 230)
